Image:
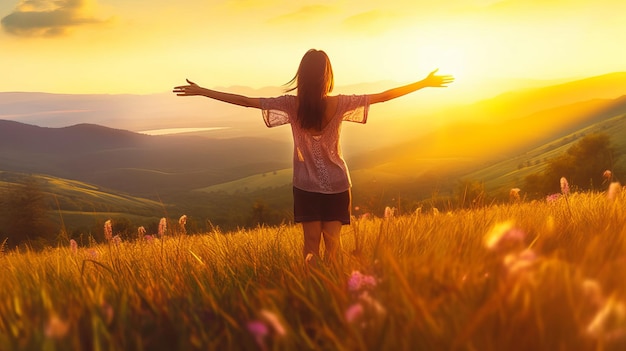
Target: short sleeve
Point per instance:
(276, 110)
(354, 108)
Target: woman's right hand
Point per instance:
(191, 89)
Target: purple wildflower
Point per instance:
(359, 281)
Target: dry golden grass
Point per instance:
(552, 280)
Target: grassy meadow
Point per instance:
(542, 275)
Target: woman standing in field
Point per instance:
(321, 181)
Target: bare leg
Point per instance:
(332, 240)
(312, 237)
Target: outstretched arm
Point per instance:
(431, 80)
(194, 89)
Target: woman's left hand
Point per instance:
(437, 81)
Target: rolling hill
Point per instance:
(135, 163)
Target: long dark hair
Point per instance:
(314, 80)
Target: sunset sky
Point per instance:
(121, 46)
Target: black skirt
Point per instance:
(311, 207)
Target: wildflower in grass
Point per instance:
(365, 311)
(273, 320)
(372, 305)
(148, 238)
(354, 312)
(260, 331)
(614, 189)
(116, 240)
(73, 246)
(607, 175)
(92, 254)
(108, 230)
(502, 233)
(552, 198)
(141, 231)
(56, 328)
(610, 321)
(564, 186)
(359, 281)
(162, 226)
(389, 211)
(518, 262)
(182, 221)
(514, 195)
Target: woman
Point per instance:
(321, 181)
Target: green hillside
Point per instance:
(510, 173)
(79, 205)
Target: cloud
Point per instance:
(48, 18)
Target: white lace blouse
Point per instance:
(318, 164)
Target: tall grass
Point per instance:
(551, 278)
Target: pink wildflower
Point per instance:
(552, 198)
(371, 304)
(73, 246)
(359, 281)
(56, 328)
(162, 226)
(614, 189)
(354, 312)
(260, 331)
(148, 237)
(182, 221)
(108, 230)
(518, 262)
(564, 186)
(514, 194)
(501, 233)
(273, 320)
(389, 212)
(92, 253)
